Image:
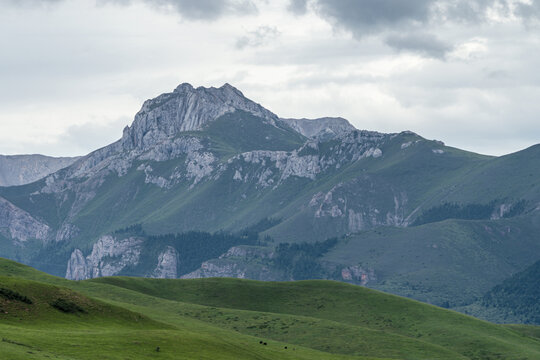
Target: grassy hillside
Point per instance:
(513, 176)
(35, 325)
(227, 318)
(460, 259)
(341, 303)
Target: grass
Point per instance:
(111, 331)
(227, 318)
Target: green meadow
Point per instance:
(47, 317)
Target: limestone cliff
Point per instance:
(109, 256)
(167, 264)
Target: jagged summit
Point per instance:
(187, 87)
(187, 109)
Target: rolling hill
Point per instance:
(121, 317)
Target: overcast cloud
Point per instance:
(197, 9)
(75, 72)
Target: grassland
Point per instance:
(129, 318)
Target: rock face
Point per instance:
(186, 109)
(356, 207)
(271, 168)
(358, 275)
(109, 256)
(242, 262)
(25, 169)
(167, 264)
(19, 225)
(77, 268)
(322, 128)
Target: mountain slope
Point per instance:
(460, 258)
(515, 300)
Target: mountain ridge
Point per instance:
(24, 169)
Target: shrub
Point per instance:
(66, 306)
(13, 295)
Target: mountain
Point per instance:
(206, 182)
(43, 316)
(25, 169)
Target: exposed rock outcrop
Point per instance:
(186, 109)
(358, 275)
(353, 203)
(167, 264)
(271, 168)
(248, 252)
(77, 268)
(242, 262)
(17, 224)
(218, 268)
(109, 256)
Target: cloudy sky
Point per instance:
(74, 72)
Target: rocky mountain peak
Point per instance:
(184, 88)
(186, 109)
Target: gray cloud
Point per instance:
(369, 16)
(365, 17)
(258, 37)
(529, 11)
(297, 7)
(403, 24)
(424, 44)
